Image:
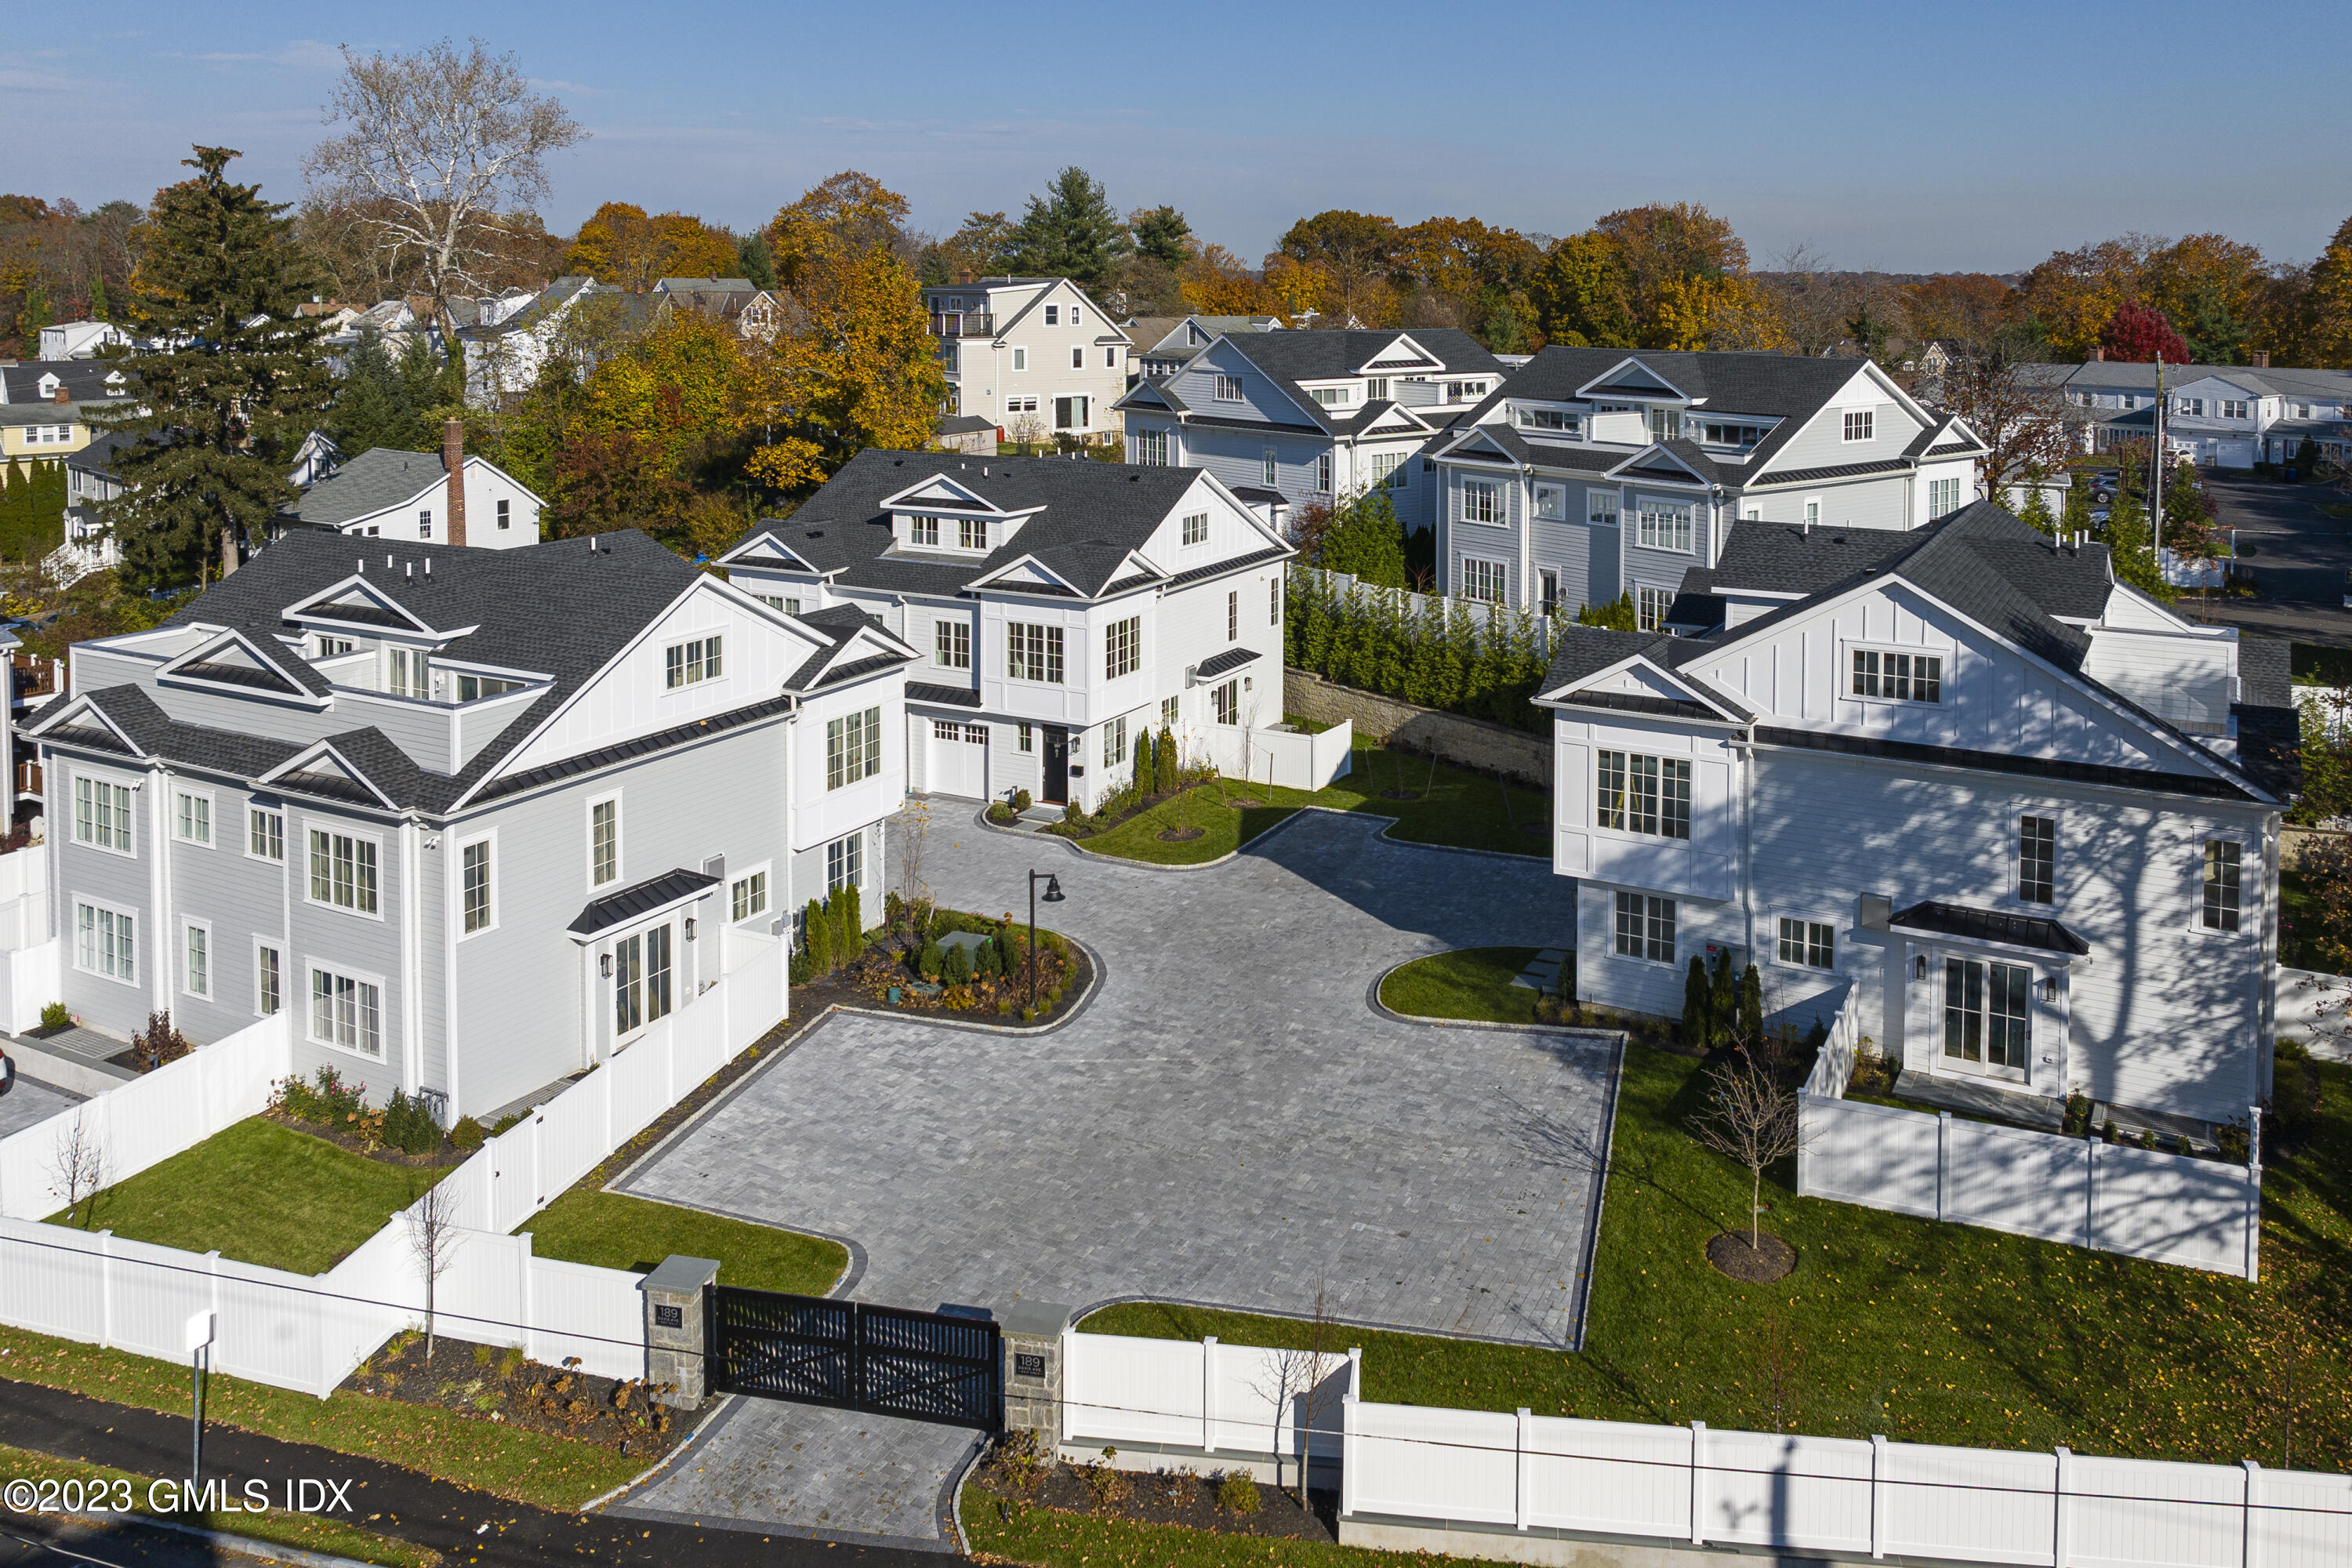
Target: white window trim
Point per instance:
(2250, 886)
(1502, 518)
(491, 838)
(138, 919)
(2013, 851)
(1869, 416)
(620, 841)
(1644, 503)
(1536, 504)
(1502, 572)
(268, 945)
(278, 812)
(1947, 664)
(333, 828)
(212, 818)
(212, 961)
(72, 818)
(726, 663)
(1670, 965)
(383, 1006)
(1811, 917)
(735, 875)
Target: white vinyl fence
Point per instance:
(1284, 757)
(1481, 611)
(293, 1330)
(1197, 1396)
(1476, 1474)
(2300, 995)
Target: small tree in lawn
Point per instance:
(78, 1168)
(1164, 760)
(1753, 1119)
(432, 1223)
(1293, 1381)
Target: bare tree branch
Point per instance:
(78, 1168)
(1752, 1119)
(433, 1236)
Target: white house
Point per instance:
(2218, 415)
(1061, 607)
(2024, 820)
(476, 819)
(1035, 356)
(430, 498)
(1600, 472)
(1162, 343)
(82, 339)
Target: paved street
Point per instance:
(2298, 554)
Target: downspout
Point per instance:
(2267, 971)
(158, 880)
(412, 990)
(449, 975)
(1744, 747)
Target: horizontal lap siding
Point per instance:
(239, 897)
(1571, 549)
(346, 941)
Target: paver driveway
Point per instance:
(1227, 1123)
(30, 1102)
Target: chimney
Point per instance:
(2262, 359)
(963, 279)
(62, 394)
(453, 457)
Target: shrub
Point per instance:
(853, 924)
(325, 1100)
(55, 1017)
(955, 966)
(803, 968)
(1698, 1005)
(467, 1135)
(932, 964)
(991, 960)
(1236, 1494)
(1028, 1014)
(1165, 763)
(507, 1124)
(2111, 1132)
(1002, 814)
(818, 937)
(409, 1127)
(159, 1042)
(1144, 771)
(1021, 801)
(2147, 1137)
(1616, 616)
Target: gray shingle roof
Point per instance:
(379, 478)
(1288, 358)
(83, 380)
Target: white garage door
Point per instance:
(959, 760)
(2233, 453)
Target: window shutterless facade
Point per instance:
(1637, 794)
(972, 532)
(1273, 601)
(1891, 676)
(951, 645)
(1651, 608)
(1123, 647)
(1114, 742)
(103, 814)
(1943, 497)
(2037, 858)
(475, 877)
(1859, 423)
(748, 896)
(1987, 1013)
(922, 529)
(409, 673)
(106, 941)
(853, 748)
(1664, 525)
(343, 871)
(347, 1012)
(2223, 865)
(196, 960)
(269, 968)
(1600, 507)
(1151, 449)
(1229, 389)
(1645, 927)
(1196, 528)
(1483, 579)
(191, 818)
(845, 862)
(1033, 652)
(603, 842)
(686, 663)
(1813, 943)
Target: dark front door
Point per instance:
(927, 1365)
(1057, 766)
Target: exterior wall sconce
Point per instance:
(2050, 989)
(689, 928)
(604, 964)
(1919, 966)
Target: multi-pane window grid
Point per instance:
(853, 748)
(923, 529)
(1033, 652)
(1645, 927)
(1987, 1014)
(952, 644)
(748, 896)
(2222, 866)
(1196, 528)
(103, 814)
(1898, 677)
(1481, 501)
(346, 1011)
(476, 878)
(2037, 858)
(1651, 608)
(1943, 497)
(1664, 525)
(972, 532)
(1483, 579)
(604, 841)
(197, 978)
(1813, 943)
(686, 663)
(641, 980)
(1859, 423)
(1229, 703)
(266, 994)
(192, 818)
(1635, 794)
(109, 942)
(1123, 647)
(1114, 742)
(342, 872)
(1233, 614)
(1152, 448)
(845, 861)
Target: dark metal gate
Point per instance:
(927, 1365)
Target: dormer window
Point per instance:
(1463, 391)
(1332, 396)
(407, 674)
(1550, 419)
(922, 531)
(1666, 423)
(1192, 334)
(1740, 436)
(474, 687)
(972, 532)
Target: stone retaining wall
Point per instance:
(1478, 743)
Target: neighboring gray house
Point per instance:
(2024, 819)
(478, 817)
(973, 434)
(2219, 415)
(1061, 608)
(750, 309)
(1162, 343)
(1601, 472)
(1290, 417)
(388, 493)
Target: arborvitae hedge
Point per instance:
(1438, 656)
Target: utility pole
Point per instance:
(2156, 475)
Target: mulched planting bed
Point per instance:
(1244, 803)
(867, 983)
(497, 1385)
(1165, 1497)
(1080, 829)
(364, 1144)
(1733, 1257)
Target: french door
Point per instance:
(1988, 1017)
(641, 981)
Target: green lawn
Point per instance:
(1924, 1333)
(1471, 983)
(1456, 806)
(304, 1532)
(261, 1193)
(615, 1231)
(1055, 1539)
(529, 1466)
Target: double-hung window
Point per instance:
(1600, 507)
(342, 872)
(1196, 528)
(748, 896)
(603, 842)
(1234, 615)
(1637, 794)
(2224, 866)
(107, 943)
(409, 676)
(1664, 525)
(1323, 473)
(1269, 469)
(475, 877)
(1482, 501)
(845, 862)
(1551, 502)
(1151, 449)
(2037, 858)
(1485, 580)
(1813, 943)
(268, 993)
(1893, 677)
(686, 663)
(1273, 601)
(951, 645)
(921, 530)
(1651, 608)
(1229, 389)
(1859, 423)
(347, 1012)
(196, 960)
(1943, 497)
(1389, 471)
(1645, 927)
(1114, 742)
(853, 748)
(971, 533)
(1033, 652)
(1123, 647)
(103, 814)
(191, 818)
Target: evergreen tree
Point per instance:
(1616, 616)
(853, 922)
(1697, 1005)
(2076, 515)
(1070, 232)
(1163, 761)
(374, 404)
(816, 935)
(1751, 1005)
(97, 298)
(758, 262)
(420, 372)
(1365, 539)
(1144, 771)
(2131, 548)
(1164, 237)
(237, 387)
(1722, 995)
(2036, 510)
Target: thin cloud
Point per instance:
(301, 54)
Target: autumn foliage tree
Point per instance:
(619, 245)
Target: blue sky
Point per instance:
(1901, 136)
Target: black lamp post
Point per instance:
(1052, 896)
